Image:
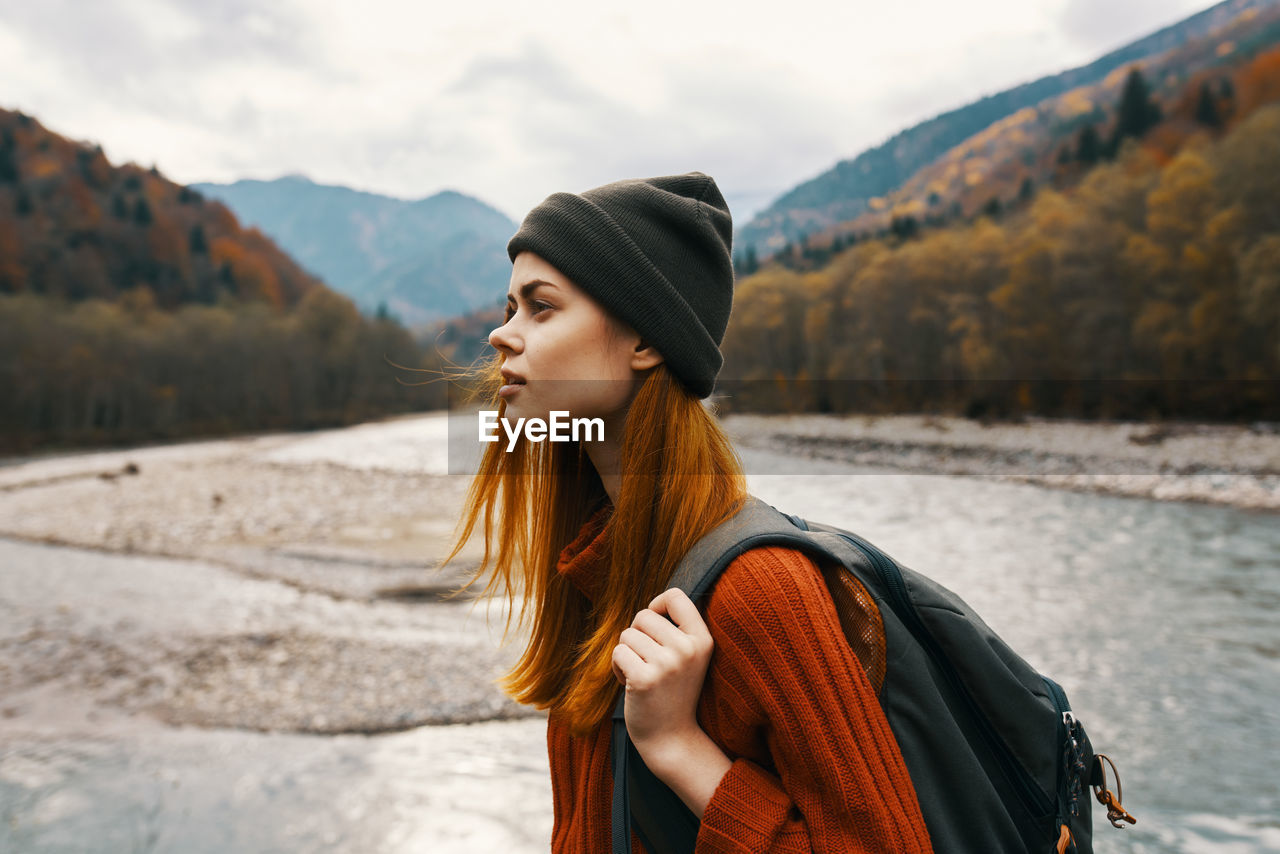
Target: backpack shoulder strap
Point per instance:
(663, 821)
(756, 524)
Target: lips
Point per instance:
(513, 382)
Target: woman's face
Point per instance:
(562, 350)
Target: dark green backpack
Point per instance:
(1001, 765)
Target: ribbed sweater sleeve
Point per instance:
(841, 783)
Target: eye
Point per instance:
(536, 307)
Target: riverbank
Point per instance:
(270, 583)
(1233, 465)
(93, 640)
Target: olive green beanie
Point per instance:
(656, 252)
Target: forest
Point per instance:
(100, 372)
(132, 309)
(1150, 288)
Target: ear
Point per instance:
(645, 356)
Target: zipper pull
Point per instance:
(1065, 841)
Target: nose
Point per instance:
(504, 339)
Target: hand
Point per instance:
(663, 663)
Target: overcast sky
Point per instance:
(510, 101)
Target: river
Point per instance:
(1161, 620)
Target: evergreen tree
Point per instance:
(196, 241)
(1207, 108)
(1088, 145)
(8, 160)
(1137, 112)
(142, 212)
(992, 207)
(22, 204)
(1027, 190)
(119, 209)
(904, 227)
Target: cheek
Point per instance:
(613, 356)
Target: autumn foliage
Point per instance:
(72, 226)
(1150, 288)
(1056, 143)
(133, 309)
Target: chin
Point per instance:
(521, 409)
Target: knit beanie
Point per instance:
(655, 252)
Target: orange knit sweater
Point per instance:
(815, 765)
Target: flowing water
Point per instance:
(1161, 620)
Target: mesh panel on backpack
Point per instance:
(860, 620)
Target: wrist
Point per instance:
(671, 747)
(688, 762)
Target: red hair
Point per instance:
(680, 478)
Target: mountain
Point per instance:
(426, 260)
(1208, 82)
(846, 190)
(75, 227)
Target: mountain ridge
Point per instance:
(381, 250)
(843, 191)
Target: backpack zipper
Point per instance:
(1033, 798)
(1060, 703)
(1066, 724)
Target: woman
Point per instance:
(757, 716)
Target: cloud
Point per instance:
(155, 55)
(1103, 25)
(499, 103)
(744, 121)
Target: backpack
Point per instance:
(997, 758)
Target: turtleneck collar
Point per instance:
(582, 560)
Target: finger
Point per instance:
(617, 671)
(625, 662)
(642, 644)
(659, 628)
(676, 604)
(659, 602)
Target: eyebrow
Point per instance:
(528, 288)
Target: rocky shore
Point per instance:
(272, 583)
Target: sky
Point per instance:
(512, 101)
